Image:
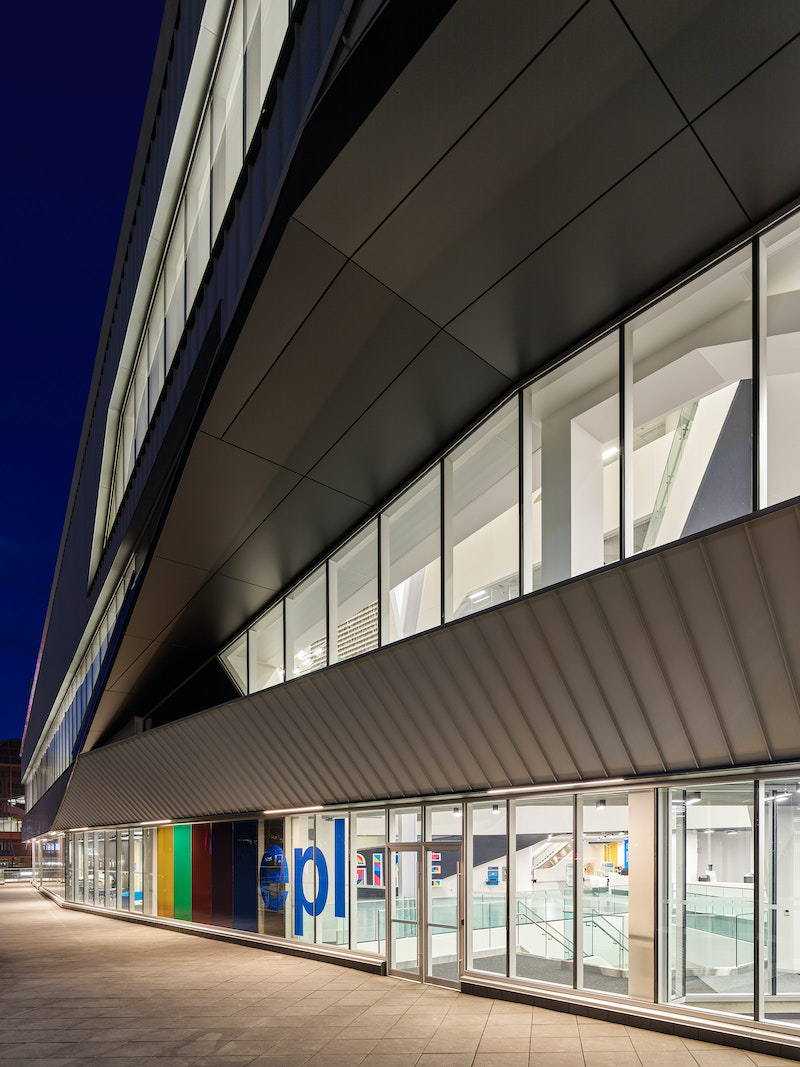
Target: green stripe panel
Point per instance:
(183, 872)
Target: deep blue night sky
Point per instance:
(74, 82)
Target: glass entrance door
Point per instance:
(425, 912)
(405, 956)
(443, 914)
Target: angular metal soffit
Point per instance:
(685, 659)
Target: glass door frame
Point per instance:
(423, 850)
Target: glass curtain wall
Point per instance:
(709, 898)
(411, 568)
(369, 838)
(690, 441)
(534, 494)
(353, 596)
(780, 829)
(543, 907)
(487, 886)
(248, 55)
(265, 651)
(780, 311)
(481, 510)
(605, 898)
(306, 610)
(571, 447)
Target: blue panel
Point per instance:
(245, 876)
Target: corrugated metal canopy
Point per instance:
(684, 659)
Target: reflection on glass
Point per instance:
(123, 870)
(605, 892)
(198, 211)
(265, 650)
(353, 577)
(573, 495)
(782, 365)
(487, 885)
(404, 947)
(90, 868)
(227, 120)
(307, 626)
(543, 908)
(370, 866)
(781, 831)
(273, 878)
(413, 546)
(136, 877)
(100, 879)
(149, 872)
(709, 899)
(691, 356)
(111, 868)
(482, 502)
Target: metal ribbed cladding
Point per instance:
(685, 659)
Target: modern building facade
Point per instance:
(427, 597)
(13, 852)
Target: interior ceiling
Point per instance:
(534, 170)
(680, 661)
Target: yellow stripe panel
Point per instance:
(166, 873)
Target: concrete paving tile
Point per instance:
(332, 1059)
(501, 1059)
(512, 1030)
(606, 1042)
(284, 1059)
(652, 1040)
(541, 1045)
(555, 1030)
(388, 1046)
(445, 1059)
(504, 1044)
(556, 1059)
(728, 1057)
(611, 1059)
(666, 1058)
(453, 1043)
(392, 1059)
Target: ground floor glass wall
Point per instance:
(556, 890)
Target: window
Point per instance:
(571, 441)
(542, 907)
(411, 543)
(265, 645)
(306, 625)
(481, 507)
(781, 473)
(690, 364)
(228, 120)
(709, 897)
(487, 887)
(353, 578)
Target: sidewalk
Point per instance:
(82, 989)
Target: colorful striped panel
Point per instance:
(183, 872)
(166, 873)
(222, 874)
